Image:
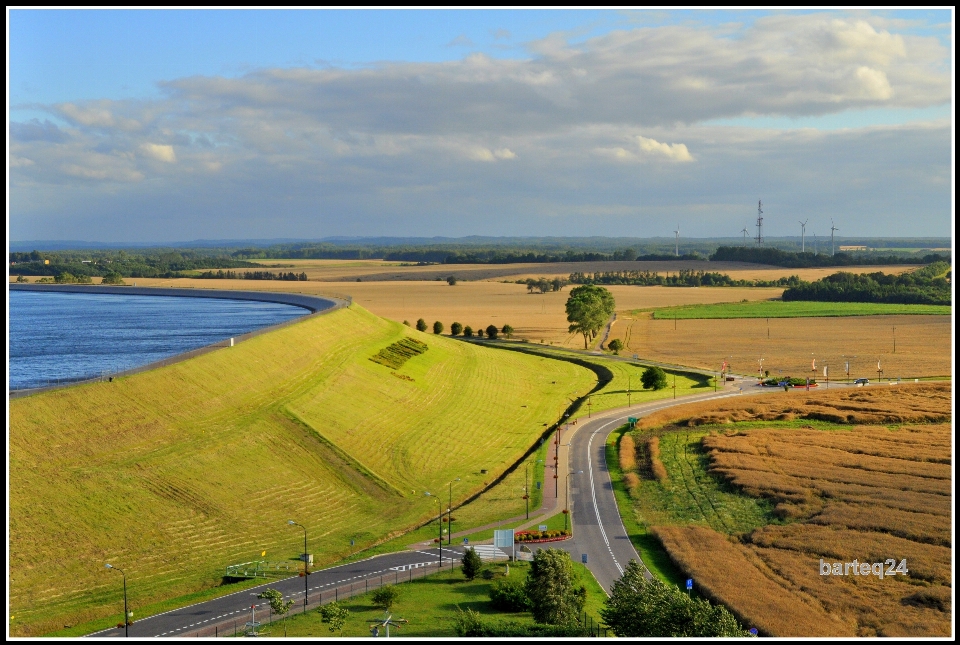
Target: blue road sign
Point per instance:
(583, 558)
(689, 583)
(538, 485)
(466, 540)
(351, 542)
(753, 631)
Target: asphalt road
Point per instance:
(226, 610)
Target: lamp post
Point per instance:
(526, 487)
(450, 511)
(126, 613)
(306, 572)
(440, 529)
(566, 506)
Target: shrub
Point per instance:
(455, 329)
(438, 327)
(508, 594)
(421, 325)
(492, 332)
(471, 564)
(654, 378)
(451, 280)
(468, 332)
(479, 332)
(112, 278)
(507, 331)
(615, 345)
(384, 597)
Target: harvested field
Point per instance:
(922, 342)
(534, 317)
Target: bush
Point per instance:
(384, 597)
(112, 278)
(615, 345)
(479, 332)
(507, 331)
(468, 332)
(451, 280)
(455, 329)
(470, 623)
(492, 332)
(438, 327)
(471, 564)
(508, 594)
(421, 325)
(654, 378)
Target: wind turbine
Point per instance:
(803, 230)
(832, 229)
(744, 231)
(677, 234)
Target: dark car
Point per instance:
(862, 381)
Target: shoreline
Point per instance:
(316, 305)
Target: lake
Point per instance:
(71, 336)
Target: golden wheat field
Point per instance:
(789, 345)
(534, 316)
(877, 491)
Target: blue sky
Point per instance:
(474, 122)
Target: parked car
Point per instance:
(862, 381)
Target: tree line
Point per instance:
(926, 286)
(252, 275)
(798, 260)
(149, 264)
(456, 329)
(682, 278)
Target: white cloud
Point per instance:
(20, 162)
(159, 152)
(670, 151)
(504, 153)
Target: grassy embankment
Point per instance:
(175, 473)
(794, 309)
(430, 604)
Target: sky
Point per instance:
(155, 126)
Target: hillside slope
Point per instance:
(175, 473)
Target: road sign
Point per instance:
(583, 558)
(753, 631)
(538, 485)
(543, 527)
(689, 584)
(466, 540)
(503, 538)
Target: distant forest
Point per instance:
(143, 264)
(795, 260)
(927, 286)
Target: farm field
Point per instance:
(173, 474)
(794, 309)
(755, 493)
(923, 344)
(536, 317)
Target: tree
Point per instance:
(558, 284)
(455, 329)
(112, 278)
(437, 327)
(335, 615)
(278, 605)
(20, 278)
(639, 606)
(471, 564)
(452, 280)
(615, 345)
(492, 332)
(468, 332)
(588, 308)
(507, 331)
(479, 332)
(551, 590)
(384, 597)
(421, 325)
(654, 378)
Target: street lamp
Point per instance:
(449, 511)
(306, 572)
(126, 613)
(440, 529)
(566, 507)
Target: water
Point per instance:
(73, 336)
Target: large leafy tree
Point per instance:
(640, 606)
(551, 589)
(654, 378)
(588, 308)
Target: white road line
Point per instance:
(593, 492)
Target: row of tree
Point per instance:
(544, 285)
(798, 260)
(251, 275)
(927, 286)
(682, 278)
(456, 329)
(157, 263)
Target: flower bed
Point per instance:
(541, 536)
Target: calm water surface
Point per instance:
(70, 336)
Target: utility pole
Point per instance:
(803, 231)
(894, 339)
(832, 230)
(760, 223)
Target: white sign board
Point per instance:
(504, 539)
(543, 527)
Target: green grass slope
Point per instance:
(175, 473)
